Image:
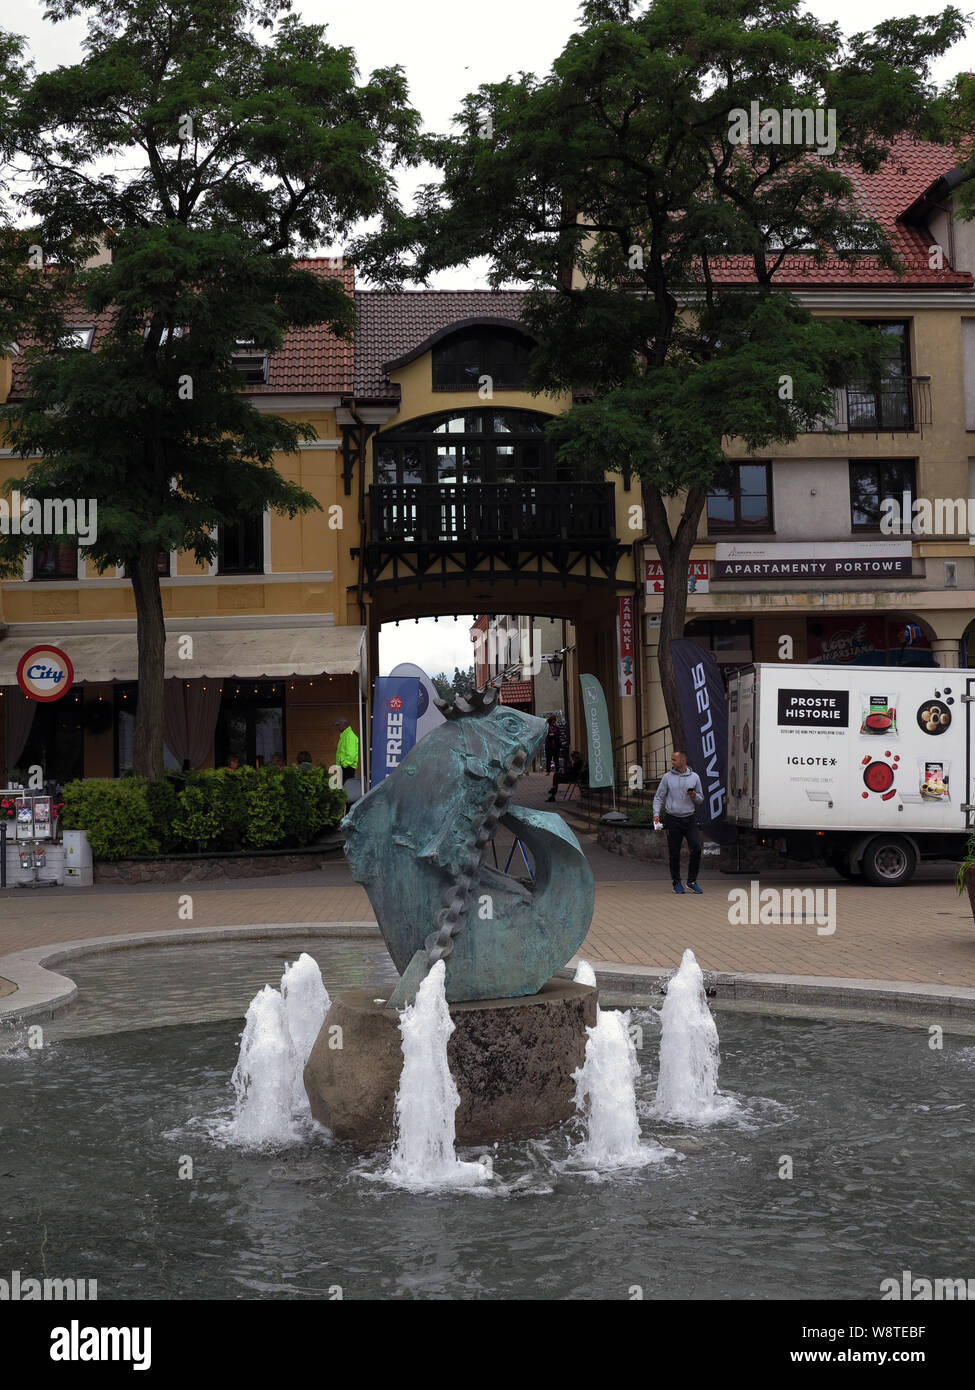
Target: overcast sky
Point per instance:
(448, 50)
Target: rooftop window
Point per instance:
(77, 337)
(250, 362)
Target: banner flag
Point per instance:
(704, 712)
(394, 713)
(598, 741)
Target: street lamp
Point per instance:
(555, 664)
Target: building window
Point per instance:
(889, 405)
(871, 483)
(251, 722)
(250, 362)
(468, 446)
(77, 338)
(463, 359)
(741, 498)
(55, 560)
(241, 546)
(163, 564)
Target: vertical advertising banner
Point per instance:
(624, 643)
(598, 742)
(394, 707)
(704, 713)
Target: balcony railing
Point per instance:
(523, 513)
(899, 404)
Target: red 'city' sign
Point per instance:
(45, 674)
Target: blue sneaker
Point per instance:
(694, 887)
(679, 887)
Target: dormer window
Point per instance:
(164, 337)
(250, 362)
(77, 337)
(462, 361)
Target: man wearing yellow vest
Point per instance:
(347, 753)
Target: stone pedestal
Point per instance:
(511, 1059)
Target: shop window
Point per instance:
(126, 698)
(241, 546)
(462, 360)
(56, 742)
(871, 484)
(730, 639)
(251, 723)
(741, 498)
(55, 560)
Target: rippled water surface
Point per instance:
(94, 1131)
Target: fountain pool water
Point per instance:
(96, 1128)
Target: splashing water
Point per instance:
(687, 1085)
(585, 975)
(427, 1100)
(279, 1034)
(264, 1076)
(606, 1096)
(306, 1003)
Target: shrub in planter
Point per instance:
(196, 822)
(163, 804)
(265, 809)
(116, 816)
(231, 792)
(311, 805)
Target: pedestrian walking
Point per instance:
(679, 794)
(552, 745)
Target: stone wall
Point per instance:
(169, 869)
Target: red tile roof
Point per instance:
(515, 693)
(393, 324)
(312, 360)
(909, 171)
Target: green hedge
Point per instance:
(203, 812)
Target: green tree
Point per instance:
(618, 189)
(449, 687)
(207, 157)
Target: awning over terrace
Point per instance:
(249, 653)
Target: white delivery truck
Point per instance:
(865, 768)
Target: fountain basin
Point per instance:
(512, 1061)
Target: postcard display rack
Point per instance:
(28, 845)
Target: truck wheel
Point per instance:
(888, 861)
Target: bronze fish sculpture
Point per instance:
(417, 842)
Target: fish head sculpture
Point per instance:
(417, 842)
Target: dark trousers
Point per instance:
(347, 773)
(677, 828)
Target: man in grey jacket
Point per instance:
(679, 793)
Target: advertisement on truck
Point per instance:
(835, 751)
